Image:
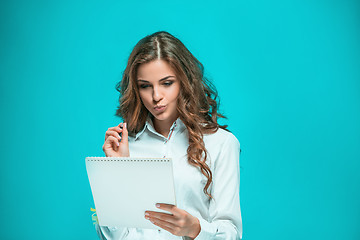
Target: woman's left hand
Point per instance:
(179, 223)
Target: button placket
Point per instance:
(164, 150)
(168, 140)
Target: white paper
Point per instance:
(124, 188)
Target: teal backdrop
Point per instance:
(287, 72)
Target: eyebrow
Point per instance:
(165, 78)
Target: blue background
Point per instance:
(288, 74)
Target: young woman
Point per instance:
(170, 110)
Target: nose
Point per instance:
(157, 94)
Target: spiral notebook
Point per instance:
(124, 188)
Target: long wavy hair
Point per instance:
(197, 102)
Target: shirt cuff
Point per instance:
(207, 230)
(111, 232)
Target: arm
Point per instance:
(225, 218)
(106, 233)
(225, 215)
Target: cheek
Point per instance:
(175, 93)
(144, 98)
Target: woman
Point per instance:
(170, 110)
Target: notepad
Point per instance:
(124, 188)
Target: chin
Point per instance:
(160, 117)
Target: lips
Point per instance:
(160, 108)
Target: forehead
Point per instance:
(154, 70)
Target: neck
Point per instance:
(163, 126)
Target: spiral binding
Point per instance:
(117, 159)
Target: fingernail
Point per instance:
(117, 143)
(124, 125)
(157, 205)
(146, 214)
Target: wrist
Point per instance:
(196, 230)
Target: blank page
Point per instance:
(124, 188)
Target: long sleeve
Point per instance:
(220, 218)
(106, 233)
(225, 215)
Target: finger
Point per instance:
(125, 133)
(112, 140)
(118, 127)
(167, 207)
(163, 224)
(162, 216)
(170, 230)
(114, 129)
(114, 134)
(108, 149)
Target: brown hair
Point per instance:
(197, 102)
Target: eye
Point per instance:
(143, 86)
(168, 83)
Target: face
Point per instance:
(159, 90)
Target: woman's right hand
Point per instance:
(114, 145)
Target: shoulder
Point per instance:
(223, 149)
(222, 138)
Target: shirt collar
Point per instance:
(177, 126)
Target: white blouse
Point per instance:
(220, 218)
